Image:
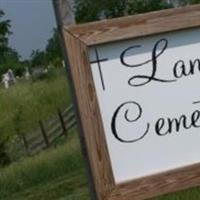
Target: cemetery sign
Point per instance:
(136, 81)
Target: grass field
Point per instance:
(27, 102)
(24, 104)
(57, 173)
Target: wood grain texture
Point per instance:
(137, 26)
(77, 41)
(93, 133)
(64, 12)
(155, 185)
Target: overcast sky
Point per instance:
(32, 22)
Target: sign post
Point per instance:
(136, 85)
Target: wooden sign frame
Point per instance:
(78, 39)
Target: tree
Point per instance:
(192, 1)
(38, 58)
(4, 33)
(9, 58)
(54, 51)
(87, 10)
(52, 55)
(12, 61)
(142, 6)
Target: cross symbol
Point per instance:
(99, 61)
(196, 102)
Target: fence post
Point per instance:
(62, 121)
(25, 144)
(44, 133)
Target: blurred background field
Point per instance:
(58, 172)
(24, 104)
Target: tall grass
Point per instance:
(58, 174)
(55, 174)
(23, 105)
(41, 169)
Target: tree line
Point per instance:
(10, 58)
(85, 11)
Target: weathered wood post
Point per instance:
(65, 17)
(44, 134)
(25, 143)
(63, 124)
(64, 12)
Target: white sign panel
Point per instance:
(149, 96)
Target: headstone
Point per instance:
(5, 80)
(27, 73)
(12, 79)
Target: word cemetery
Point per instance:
(136, 81)
(163, 126)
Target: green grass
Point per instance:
(71, 187)
(58, 174)
(53, 174)
(24, 104)
(190, 194)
